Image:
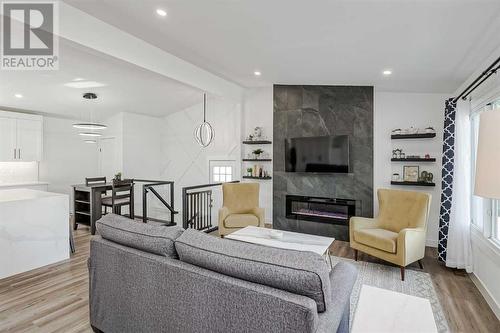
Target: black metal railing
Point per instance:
(197, 203)
(149, 187)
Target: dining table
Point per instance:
(87, 203)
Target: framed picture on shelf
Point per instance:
(410, 173)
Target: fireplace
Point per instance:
(318, 209)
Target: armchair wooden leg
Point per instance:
(420, 264)
(402, 273)
(221, 236)
(356, 255)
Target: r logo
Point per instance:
(29, 35)
(27, 28)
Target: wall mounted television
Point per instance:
(322, 154)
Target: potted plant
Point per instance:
(118, 176)
(249, 172)
(257, 153)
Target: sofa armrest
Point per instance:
(358, 223)
(411, 241)
(223, 214)
(260, 213)
(342, 279)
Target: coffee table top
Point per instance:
(381, 310)
(290, 240)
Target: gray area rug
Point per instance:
(416, 283)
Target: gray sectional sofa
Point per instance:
(150, 278)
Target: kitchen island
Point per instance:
(34, 230)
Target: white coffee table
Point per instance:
(381, 310)
(290, 240)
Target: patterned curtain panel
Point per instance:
(447, 176)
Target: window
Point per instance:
(485, 213)
(222, 171)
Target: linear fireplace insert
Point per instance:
(318, 209)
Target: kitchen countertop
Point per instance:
(19, 194)
(30, 183)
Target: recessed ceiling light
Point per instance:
(257, 73)
(84, 84)
(76, 79)
(387, 72)
(161, 12)
(89, 134)
(90, 141)
(18, 95)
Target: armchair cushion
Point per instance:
(381, 239)
(241, 220)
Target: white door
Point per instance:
(108, 161)
(29, 140)
(7, 139)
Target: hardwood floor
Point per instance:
(55, 298)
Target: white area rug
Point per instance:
(388, 277)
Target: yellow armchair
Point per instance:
(398, 234)
(240, 207)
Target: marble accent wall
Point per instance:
(305, 111)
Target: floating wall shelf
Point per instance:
(251, 177)
(262, 142)
(412, 183)
(257, 160)
(413, 159)
(413, 136)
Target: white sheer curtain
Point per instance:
(459, 253)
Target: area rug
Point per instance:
(416, 283)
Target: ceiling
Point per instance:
(430, 45)
(126, 88)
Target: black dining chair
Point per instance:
(98, 181)
(95, 180)
(122, 194)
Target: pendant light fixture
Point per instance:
(204, 133)
(90, 125)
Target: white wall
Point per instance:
(141, 146)
(67, 159)
(402, 110)
(258, 111)
(183, 160)
(115, 131)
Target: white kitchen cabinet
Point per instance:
(7, 139)
(21, 137)
(29, 140)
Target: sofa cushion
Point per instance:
(302, 273)
(381, 239)
(241, 220)
(147, 237)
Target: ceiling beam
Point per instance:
(75, 24)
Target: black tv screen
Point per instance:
(329, 154)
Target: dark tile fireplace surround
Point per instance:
(323, 203)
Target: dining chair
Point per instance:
(95, 180)
(98, 181)
(122, 194)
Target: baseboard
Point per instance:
(486, 294)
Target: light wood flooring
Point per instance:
(55, 298)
